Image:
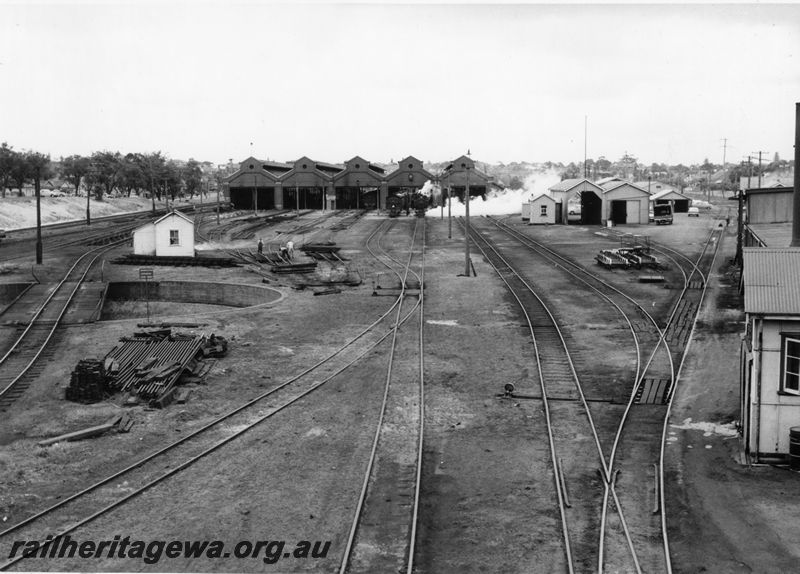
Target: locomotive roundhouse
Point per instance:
(310, 184)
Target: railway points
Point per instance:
(620, 335)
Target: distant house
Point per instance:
(654, 186)
(784, 178)
(543, 210)
(169, 236)
(770, 353)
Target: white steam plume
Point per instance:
(505, 201)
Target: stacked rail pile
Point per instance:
(151, 363)
(328, 251)
(346, 222)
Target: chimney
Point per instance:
(796, 198)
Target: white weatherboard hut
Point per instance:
(169, 236)
(542, 210)
(770, 354)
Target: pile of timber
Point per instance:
(88, 382)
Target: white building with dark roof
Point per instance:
(770, 354)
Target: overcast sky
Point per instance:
(508, 82)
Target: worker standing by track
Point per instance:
(290, 249)
(260, 246)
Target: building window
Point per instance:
(544, 211)
(791, 365)
(174, 237)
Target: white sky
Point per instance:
(509, 82)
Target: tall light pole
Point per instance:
(449, 207)
(219, 183)
(466, 226)
(358, 194)
(37, 188)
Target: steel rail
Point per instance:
(552, 256)
(185, 464)
(545, 402)
(347, 554)
(211, 449)
(421, 413)
(209, 425)
(662, 339)
(40, 311)
(78, 227)
(662, 490)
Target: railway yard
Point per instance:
(551, 412)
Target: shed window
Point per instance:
(791, 365)
(544, 211)
(174, 237)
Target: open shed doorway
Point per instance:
(591, 208)
(619, 212)
(309, 197)
(252, 197)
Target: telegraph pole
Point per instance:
(724, 169)
(759, 165)
(585, 133)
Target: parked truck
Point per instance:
(662, 214)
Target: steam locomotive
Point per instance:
(395, 204)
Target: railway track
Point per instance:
(103, 230)
(21, 363)
(571, 430)
(102, 497)
(382, 534)
(639, 439)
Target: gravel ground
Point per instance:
(487, 499)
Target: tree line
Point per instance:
(104, 173)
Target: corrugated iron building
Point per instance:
(625, 203)
(770, 353)
(769, 205)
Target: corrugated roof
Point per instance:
(772, 280)
(668, 194)
(567, 184)
(603, 181)
(611, 186)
